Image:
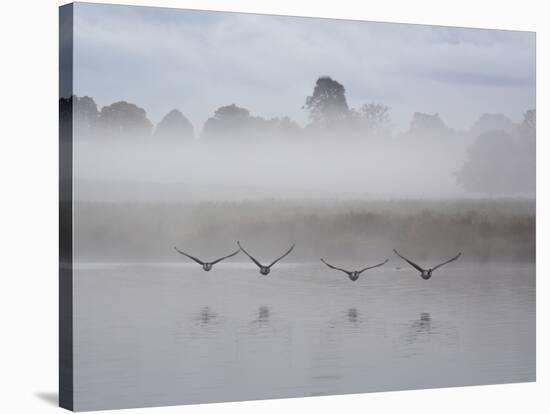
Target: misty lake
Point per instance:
(160, 334)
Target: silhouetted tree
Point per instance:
(493, 122)
(228, 120)
(527, 128)
(430, 130)
(86, 115)
(328, 107)
(501, 162)
(234, 122)
(375, 119)
(125, 120)
(174, 126)
(422, 123)
(527, 153)
(496, 166)
(283, 127)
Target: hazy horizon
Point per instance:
(196, 61)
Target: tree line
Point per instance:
(501, 158)
(329, 113)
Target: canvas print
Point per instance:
(257, 206)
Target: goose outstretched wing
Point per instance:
(448, 261)
(284, 255)
(372, 267)
(409, 262)
(336, 268)
(189, 256)
(225, 257)
(251, 258)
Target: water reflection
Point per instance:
(262, 319)
(228, 342)
(353, 315)
(265, 342)
(424, 325)
(421, 329)
(427, 332)
(206, 316)
(263, 314)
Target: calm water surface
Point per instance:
(160, 334)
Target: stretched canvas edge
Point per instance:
(66, 354)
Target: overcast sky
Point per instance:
(197, 61)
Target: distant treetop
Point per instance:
(175, 126)
(123, 118)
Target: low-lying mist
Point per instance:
(343, 169)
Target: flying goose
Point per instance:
(207, 266)
(354, 274)
(264, 270)
(426, 273)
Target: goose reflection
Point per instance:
(423, 326)
(419, 333)
(353, 315)
(198, 326)
(262, 319)
(263, 314)
(206, 316)
(425, 329)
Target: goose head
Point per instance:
(264, 270)
(207, 267)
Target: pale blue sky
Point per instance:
(196, 61)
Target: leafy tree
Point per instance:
(375, 118)
(227, 120)
(527, 128)
(234, 122)
(86, 115)
(328, 107)
(497, 165)
(284, 127)
(493, 122)
(174, 126)
(125, 120)
(527, 154)
(422, 123)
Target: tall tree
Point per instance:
(328, 107)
